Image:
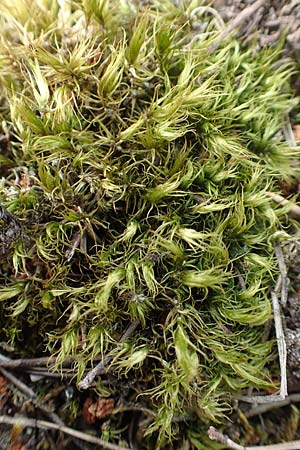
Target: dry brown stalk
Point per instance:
(44, 425)
(98, 369)
(216, 435)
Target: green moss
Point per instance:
(137, 164)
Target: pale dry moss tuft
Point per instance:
(138, 163)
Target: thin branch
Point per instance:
(92, 374)
(44, 425)
(62, 374)
(32, 396)
(131, 329)
(261, 409)
(259, 399)
(98, 369)
(216, 435)
(294, 210)
(65, 374)
(31, 362)
(19, 384)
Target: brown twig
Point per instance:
(44, 425)
(98, 369)
(216, 435)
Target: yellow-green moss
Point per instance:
(138, 162)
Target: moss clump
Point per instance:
(137, 163)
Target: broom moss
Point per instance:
(135, 164)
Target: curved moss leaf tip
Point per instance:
(135, 163)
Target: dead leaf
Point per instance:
(296, 132)
(98, 409)
(3, 391)
(88, 417)
(102, 408)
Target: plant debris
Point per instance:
(97, 410)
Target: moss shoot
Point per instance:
(136, 157)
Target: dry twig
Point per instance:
(294, 210)
(98, 369)
(261, 409)
(32, 396)
(31, 362)
(283, 275)
(281, 345)
(44, 425)
(216, 435)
